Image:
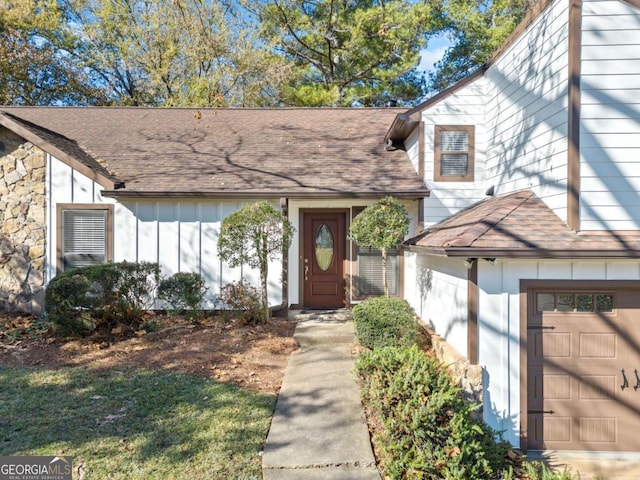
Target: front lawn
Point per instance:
(134, 424)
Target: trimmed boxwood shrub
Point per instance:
(99, 297)
(427, 430)
(383, 321)
(183, 291)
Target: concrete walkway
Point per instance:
(319, 429)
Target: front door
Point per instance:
(323, 260)
(583, 370)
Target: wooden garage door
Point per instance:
(583, 362)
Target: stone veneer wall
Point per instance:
(22, 224)
(467, 376)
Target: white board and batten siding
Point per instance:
(499, 325)
(465, 106)
(526, 91)
(610, 116)
(180, 235)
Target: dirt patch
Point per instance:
(251, 356)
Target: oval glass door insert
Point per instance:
(324, 247)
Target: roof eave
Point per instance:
(522, 253)
(123, 193)
(406, 122)
(402, 126)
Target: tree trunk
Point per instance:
(384, 272)
(264, 271)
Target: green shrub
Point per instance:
(382, 321)
(427, 430)
(151, 326)
(244, 299)
(539, 471)
(183, 291)
(98, 297)
(68, 304)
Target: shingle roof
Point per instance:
(277, 152)
(519, 224)
(59, 145)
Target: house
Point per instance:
(522, 182)
(529, 260)
(87, 185)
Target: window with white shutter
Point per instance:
(454, 153)
(84, 235)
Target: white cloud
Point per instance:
(433, 53)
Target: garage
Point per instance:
(580, 355)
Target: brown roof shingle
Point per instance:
(59, 145)
(519, 224)
(276, 152)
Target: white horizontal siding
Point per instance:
(610, 37)
(446, 201)
(619, 126)
(604, 81)
(610, 109)
(595, 53)
(465, 107)
(599, 17)
(596, 184)
(412, 146)
(527, 112)
(613, 7)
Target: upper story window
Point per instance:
(84, 235)
(454, 153)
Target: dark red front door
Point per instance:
(323, 261)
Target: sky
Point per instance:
(435, 51)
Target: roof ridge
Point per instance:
(4, 108)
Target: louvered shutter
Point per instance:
(454, 160)
(84, 237)
(369, 281)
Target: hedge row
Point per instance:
(99, 297)
(427, 430)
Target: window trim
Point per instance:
(61, 207)
(354, 268)
(469, 177)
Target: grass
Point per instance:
(134, 424)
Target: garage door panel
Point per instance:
(556, 345)
(598, 430)
(597, 387)
(576, 399)
(557, 387)
(557, 429)
(598, 345)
